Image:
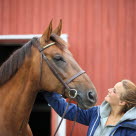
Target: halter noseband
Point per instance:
(71, 92)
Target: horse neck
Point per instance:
(18, 95)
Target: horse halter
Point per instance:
(71, 92)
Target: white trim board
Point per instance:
(19, 39)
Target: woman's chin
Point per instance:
(106, 99)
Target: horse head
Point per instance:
(58, 71)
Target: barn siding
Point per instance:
(101, 35)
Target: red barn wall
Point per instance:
(101, 34)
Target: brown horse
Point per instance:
(26, 72)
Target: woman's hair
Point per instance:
(130, 95)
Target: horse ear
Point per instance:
(46, 34)
(58, 29)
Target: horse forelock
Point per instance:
(14, 62)
(60, 42)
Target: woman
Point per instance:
(116, 116)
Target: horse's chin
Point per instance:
(84, 107)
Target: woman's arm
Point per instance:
(59, 104)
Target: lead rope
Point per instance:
(72, 130)
(62, 117)
(75, 118)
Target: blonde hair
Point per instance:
(130, 96)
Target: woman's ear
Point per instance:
(122, 103)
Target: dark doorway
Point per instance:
(40, 117)
(41, 114)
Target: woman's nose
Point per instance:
(110, 89)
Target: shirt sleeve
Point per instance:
(59, 104)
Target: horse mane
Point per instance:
(14, 62)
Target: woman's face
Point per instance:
(114, 94)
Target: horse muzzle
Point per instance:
(87, 99)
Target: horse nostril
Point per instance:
(90, 95)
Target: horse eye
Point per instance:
(59, 58)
